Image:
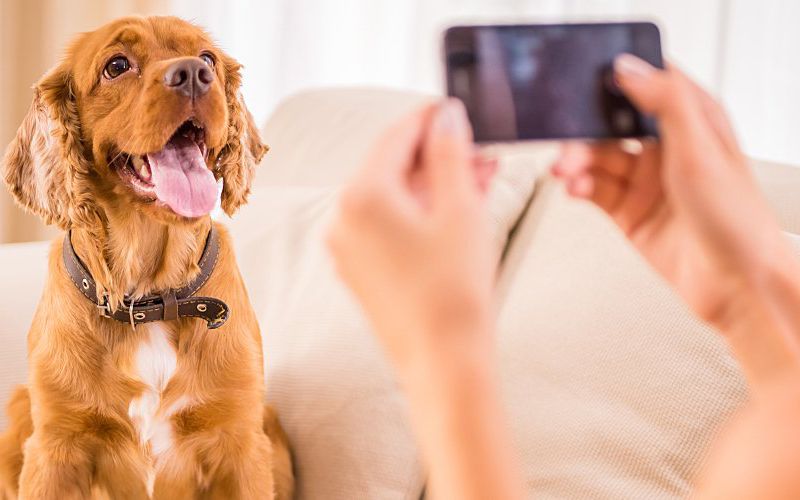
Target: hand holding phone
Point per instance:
(551, 81)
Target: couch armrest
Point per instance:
(22, 275)
(318, 137)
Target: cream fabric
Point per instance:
(334, 391)
(331, 127)
(613, 388)
(325, 373)
(23, 270)
(781, 184)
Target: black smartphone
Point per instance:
(548, 81)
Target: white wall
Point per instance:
(742, 50)
(761, 82)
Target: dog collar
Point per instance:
(168, 305)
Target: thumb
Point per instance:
(447, 154)
(662, 93)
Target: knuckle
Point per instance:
(357, 202)
(675, 96)
(680, 89)
(331, 240)
(337, 249)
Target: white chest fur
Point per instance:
(154, 364)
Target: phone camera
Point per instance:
(624, 121)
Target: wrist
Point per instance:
(447, 348)
(760, 280)
(454, 397)
(777, 271)
(762, 320)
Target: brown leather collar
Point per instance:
(168, 305)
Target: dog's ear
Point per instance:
(45, 167)
(244, 149)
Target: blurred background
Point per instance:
(744, 51)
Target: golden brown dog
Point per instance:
(123, 145)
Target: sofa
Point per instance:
(612, 387)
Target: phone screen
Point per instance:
(551, 81)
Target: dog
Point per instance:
(146, 376)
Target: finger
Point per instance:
(575, 159)
(670, 97)
(603, 190)
(716, 115)
(607, 190)
(484, 170)
(643, 193)
(580, 186)
(395, 151)
(418, 188)
(612, 159)
(609, 156)
(383, 184)
(447, 154)
(662, 93)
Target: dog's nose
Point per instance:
(190, 77)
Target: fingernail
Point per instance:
(451, 118)
(629, 65)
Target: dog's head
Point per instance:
(144, 114)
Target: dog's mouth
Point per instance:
(177, 175)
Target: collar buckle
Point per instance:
(104, 309)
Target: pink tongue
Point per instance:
(181, 178)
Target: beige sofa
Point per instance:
(613, 388)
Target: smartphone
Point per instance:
(548, 81)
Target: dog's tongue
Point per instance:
(181, 178)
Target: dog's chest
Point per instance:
(154, 365)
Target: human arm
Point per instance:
(413, 242)
(690, 205)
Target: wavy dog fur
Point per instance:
(171, 409)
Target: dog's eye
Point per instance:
(116, 66)
(208, 59)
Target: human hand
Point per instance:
(688, 203)
(412, 239)
(413, 242)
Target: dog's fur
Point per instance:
(170, 409)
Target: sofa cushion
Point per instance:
(326, 374)
(613, 387)
(22, 276)
(330, 127)
(781, 185)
